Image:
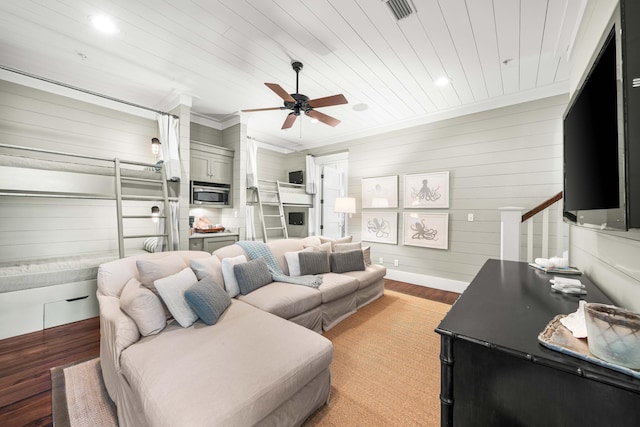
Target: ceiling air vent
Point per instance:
(400, 8)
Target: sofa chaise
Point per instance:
(260, 362)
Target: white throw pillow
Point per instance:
(208, 267)
(293, 261)
(172, 290)
(230, 282)
(144, 307)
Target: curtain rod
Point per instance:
(68, 86)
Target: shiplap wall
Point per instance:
(504, 157)
(41, 228)
(608, 258)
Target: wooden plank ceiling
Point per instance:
(220, 52)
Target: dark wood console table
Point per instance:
(494, 372)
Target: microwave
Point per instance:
(208, 193)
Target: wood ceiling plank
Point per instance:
(484, 33)
(550, 56)
(458, 22)
(533, 14)
(435, 26)
(402, 58)
(507, 17)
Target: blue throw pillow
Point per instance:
(208, 300)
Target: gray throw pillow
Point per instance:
(252, 275)
(341, 262)
(316, 262)
(208, 300)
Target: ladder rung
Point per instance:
(269, 191)
(272, 216)
(139, 236)
(274, 228)
(131, 197)
(271, 203)
(142, 217)
(131, 178)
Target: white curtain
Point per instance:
(252, 182)
(169, 128)
(311, 173)
(162, 228)
(252, 163)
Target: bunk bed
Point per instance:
(47, 291)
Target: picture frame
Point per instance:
(426, 190)
(426, 229)
(380, 192)
(380, 227)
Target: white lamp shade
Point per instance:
(345, 205)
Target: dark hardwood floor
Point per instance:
(25, 361)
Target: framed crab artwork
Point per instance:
(381, 227)
(426, 190)
(428, 230)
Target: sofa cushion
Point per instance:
(208, 300)
(366, 253)
(344, 247)
(285, 300)
(151, 270)
(372, 274)
(208, 267)
(172, 289)
(230, 282)
(280, 247)
(342, 262)
(335, 286)
(144, 307)
(333, 242)
(314, 262)
(266, 361)
(319, 247)
(293, 261)
(252, 275)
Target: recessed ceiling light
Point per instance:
(360, 107)
(104, 24)
(442, 81)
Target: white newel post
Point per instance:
(510, 219)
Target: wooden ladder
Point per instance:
(162, 181)
(270, 207)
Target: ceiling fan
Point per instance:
(298, 103)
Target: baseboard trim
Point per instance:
(428, 281)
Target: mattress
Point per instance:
(51, 271)
(62, 166)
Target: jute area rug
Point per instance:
(385, 372)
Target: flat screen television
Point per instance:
(594, 143)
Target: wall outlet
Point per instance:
(470, 217)
(395, 263)
(381, 260)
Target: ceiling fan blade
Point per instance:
(288, 122)
(328, 101)
(262, 109)
(328, 120)
(280, 92)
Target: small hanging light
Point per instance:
(155, 145)
(155, 213)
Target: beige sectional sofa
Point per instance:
(255, 366)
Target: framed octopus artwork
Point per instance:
(426, 190)
(381, 227)
(428, 230)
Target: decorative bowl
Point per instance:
(613, 334)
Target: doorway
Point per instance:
(333, 178)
